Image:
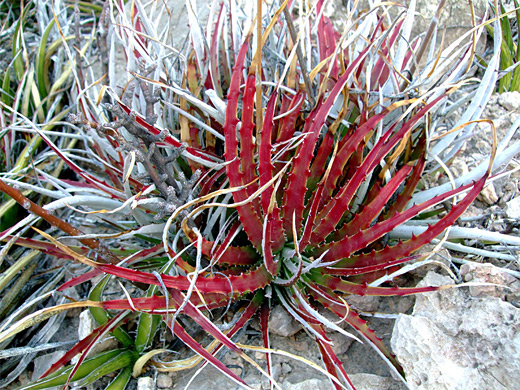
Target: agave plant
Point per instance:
(289, 165)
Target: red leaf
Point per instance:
(264, 327)
(326, 40)
(247, 214)
(334, 211)
(364, 218)
(250, 281)
(83, 345)
(286, 130)
(338, 284)
(179, 331)
(296, 187)
(347, 246)
(331, 360)
(327, 298)
(247, 145)
(230, 255)
(380, 71)
(265, 169)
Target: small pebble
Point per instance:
(513, 208)
(489, 195)
(164, 381)
(286, 368)
(145, 383)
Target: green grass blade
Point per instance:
(106, 362)
(506, 29)
(20, 263)
(515, 81)
(7, 93)
(18, 66)
(121, 380)
(125, 359)
(517, 13)
(101, 316)
(43, 84)
(146, 329)
(504, 84)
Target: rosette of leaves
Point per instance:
(284, 192)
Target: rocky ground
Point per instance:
(461, 338)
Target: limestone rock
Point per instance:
(86, 324)
(145, 383)
(374, 382)
(211, 378)
(281, 323)
(488, 195)
(164, 381)
(341, 343)
(44, 362)
(459, 167)
(286, 368)
(309, 384)
(453, 341)
(510, 100)
(488, 273)
(513, 208)
(360, 382)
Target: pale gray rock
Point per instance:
(488, 273)
(459, 167)
(276, 371)
(375, 382)
(360, 381)
(86, 324)
(510, 100)
(281, 323)
(341, 343)
(309, 384)
(513, 208)
(286, 368)
(212, 378)
(44, 362)
(164, 381)
(145, 383)
(454, 341)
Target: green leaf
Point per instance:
(18, 66)
(101, 316)
(147, 326)
(146, 329)
(7, 93)
(506, 29)
(506, 61)
(120, 382)
(10, 216)
(89, 371)
(41, 74)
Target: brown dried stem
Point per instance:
(299, 54)
(104, 253)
